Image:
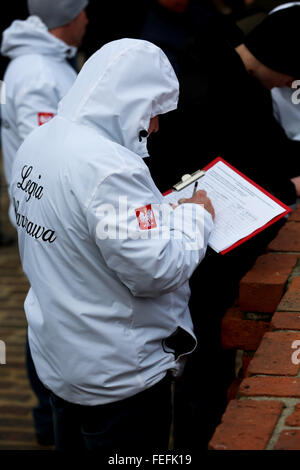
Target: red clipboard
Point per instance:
(286, 208)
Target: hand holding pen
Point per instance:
(199, 197)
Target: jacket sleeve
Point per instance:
(154, 260)
(35, 103)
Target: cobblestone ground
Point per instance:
(16, 396)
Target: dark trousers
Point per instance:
(137, 424)
(42, 413)
(201, 392)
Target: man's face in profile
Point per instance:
(77, 29)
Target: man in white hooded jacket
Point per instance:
(38, 76)
(107, 260)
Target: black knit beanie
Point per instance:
(275, 41)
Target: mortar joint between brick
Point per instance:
(289, 408)
(295, 272)
(285, 331)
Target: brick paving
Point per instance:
(16, 396)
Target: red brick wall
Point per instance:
(263, 409)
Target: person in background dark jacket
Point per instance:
(172, 23)
(221, 103)
(112, 20)
(223, 111)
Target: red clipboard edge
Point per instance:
(242, 240)
(284, 206)
(220, 159)
(168, 192)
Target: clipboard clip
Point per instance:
(186, 180)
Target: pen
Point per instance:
(181, 201)
(195, 188)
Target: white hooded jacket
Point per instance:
(106, 289)
(36, 79)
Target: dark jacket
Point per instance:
(223, 111)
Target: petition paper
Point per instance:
(240, 207)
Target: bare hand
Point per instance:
(200, 197)
(296, 182)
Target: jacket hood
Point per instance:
(119, 89)
(283, 6)
(32, 37)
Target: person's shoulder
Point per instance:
(93, 152)
(28, 68)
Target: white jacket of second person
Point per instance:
(286, 100)
(37, 78)
(108, 285)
